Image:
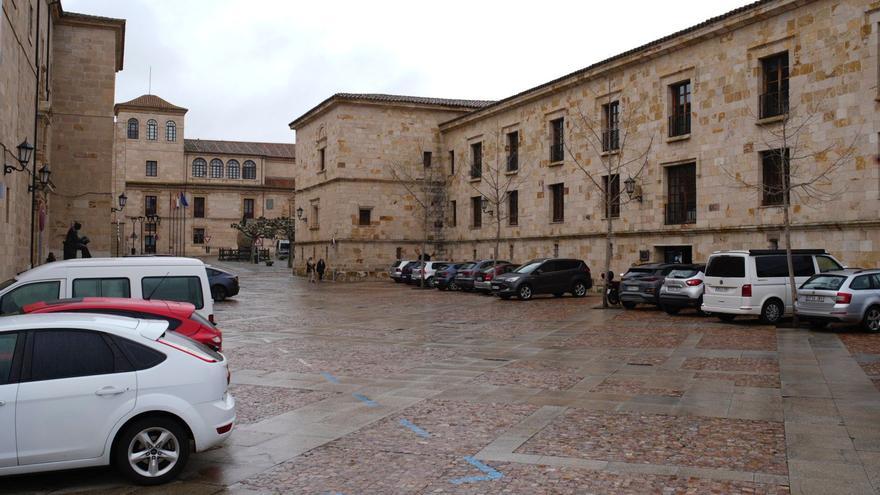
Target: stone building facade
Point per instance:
(57, 84)
(696, 117)
(195, 188)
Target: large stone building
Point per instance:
(57, 84)
(183, 194)
(695, 117)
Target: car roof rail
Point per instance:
(763, 252)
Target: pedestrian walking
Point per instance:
(321, 267)
(310, 269)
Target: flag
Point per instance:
(183, 201)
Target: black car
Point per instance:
(545, 276)
(445, 279)
(465, 277)
(406, 272)
(223, 284)
(641, 284)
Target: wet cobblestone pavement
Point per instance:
(378, 388)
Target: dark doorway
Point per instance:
(677, 254)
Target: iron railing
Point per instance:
(679, 124)
(772, 104)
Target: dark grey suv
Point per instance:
(641, 284)
(544, 276)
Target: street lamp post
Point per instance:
(123, 199)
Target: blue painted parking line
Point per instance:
(491, 474)
(366, 400)
(415, 429)
(330, 378)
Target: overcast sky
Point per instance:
(246, 68)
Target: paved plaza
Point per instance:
(379, 388)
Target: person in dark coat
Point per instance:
(320, 268)
(310, 269)
(71, 241)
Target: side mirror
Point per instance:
(538, 271)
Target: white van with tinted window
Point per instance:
(151, 277)
(756, 283)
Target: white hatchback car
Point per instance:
(80, 390)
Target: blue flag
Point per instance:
(183, 201)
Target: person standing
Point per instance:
(310, 269)
(321, 267)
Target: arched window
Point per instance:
(216, 169)
(233, 170)
(200, 167)
(152, 130)
(249, 170)
(133, 126)
(170, 131)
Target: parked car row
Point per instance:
(126, 350)
(556, 276)
(756, 283)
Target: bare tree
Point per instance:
(614, 146)
(793, 165)
(498, 179)
(425, 184)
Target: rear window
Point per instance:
(638, 271)
(181, 289)
(141, 356)
(683, 273)
(200, 320)
(726, 266)
(824, 282)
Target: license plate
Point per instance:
(815, 299)
(673, 289)
(631, 288)
(496, 287)
(721, 289)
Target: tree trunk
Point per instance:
(786, 220)
(609, 245)
(497, 233)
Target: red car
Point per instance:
(181, 317)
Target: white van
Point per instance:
(159, 277)
(755, 282)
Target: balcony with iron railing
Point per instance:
(476, 170)
(772, 104)
(679, 124)
(610, 139)
(680, 213)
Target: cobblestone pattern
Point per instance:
(751, 339)
(742, 379)
(523, 479)
(731, 364)
(861, 343)
(743, 445)
(634, 387)
(650, 338)
(254, 403)
(532, 374)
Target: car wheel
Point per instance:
(152, 450)
(628, 304)
(671, 310)
(871, 321)
(218, 293)
(452, 286)
(579, 290)
(525, 292)
(429, 282)
(772, 312)
(726, 317)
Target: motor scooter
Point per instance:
(612, 289)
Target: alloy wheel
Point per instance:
(580, 289)
(872, 320)
(525, 292)
(153, 452)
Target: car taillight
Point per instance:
(694, 283)
(487, 277)
(192, 352)
(747, 290)
(843, 298)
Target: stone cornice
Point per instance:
(199, 185)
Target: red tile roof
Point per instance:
(149, 102)
(241, 148)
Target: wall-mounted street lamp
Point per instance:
(485, 206)
(299, 214)
(24, 157)
(154, 219)
(123, 199)
(43, 177)
(629, 186)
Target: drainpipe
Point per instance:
(36, 128)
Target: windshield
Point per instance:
(7, 283)
(824, 282)
(528, 267)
